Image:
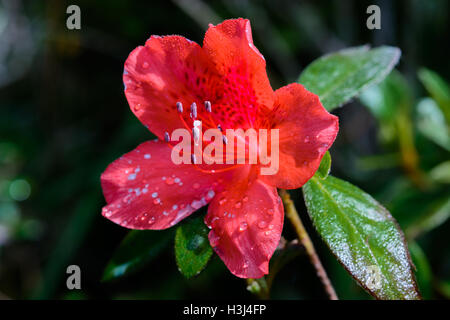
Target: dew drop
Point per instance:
(245, 199)
(262, 224)
(169, 181)
(210, 194)
(145, 65)
(270, 211)
(214, 239)
(238, 205)
(243, 226)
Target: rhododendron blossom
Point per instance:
(170, 83)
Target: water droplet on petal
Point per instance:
(210, 194)
(270, 211)
(238, 205)
(245, 199)
(262, 224)
(214, 239)
(145, 65)
(169, 181)
(243, 226)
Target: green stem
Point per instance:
(292, 215)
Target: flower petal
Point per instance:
(144, 189)
(246, 88)
(165, 71)
(306, 132)
(246, 221)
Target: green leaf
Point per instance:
(387, 98)
(438, 89)
(423, 273)
(192, 249)
(325, 166)
(338, 77)
(441, 173)
(363, 236)
(431, 123)
(137, 249)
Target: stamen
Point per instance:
(225, 139)
(196, 134)
(193, 159)
(179, 107)
(219, 127)
(193, 110)
(166, 137)
(208, 106)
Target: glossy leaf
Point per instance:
(438, 89)
(192, 248)
(363, 236)
(325, 166)
(431, 123)
(338, 77)
(137, 249)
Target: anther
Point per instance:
(194, 110)
(225, 139)
(193, 159)
(166, 137)
(219, 127)
(208, 106)
(179, 107)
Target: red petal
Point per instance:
(307, 131)
(246, 221)
(243, 68)
(144, 189)
(165, 71)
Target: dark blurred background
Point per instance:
(64, 118)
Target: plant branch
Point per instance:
(292, 215)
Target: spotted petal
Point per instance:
(246, 221)
(144, 189)
(246, 88)
(306, 132)
(165, 71)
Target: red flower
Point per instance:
(144, 189)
